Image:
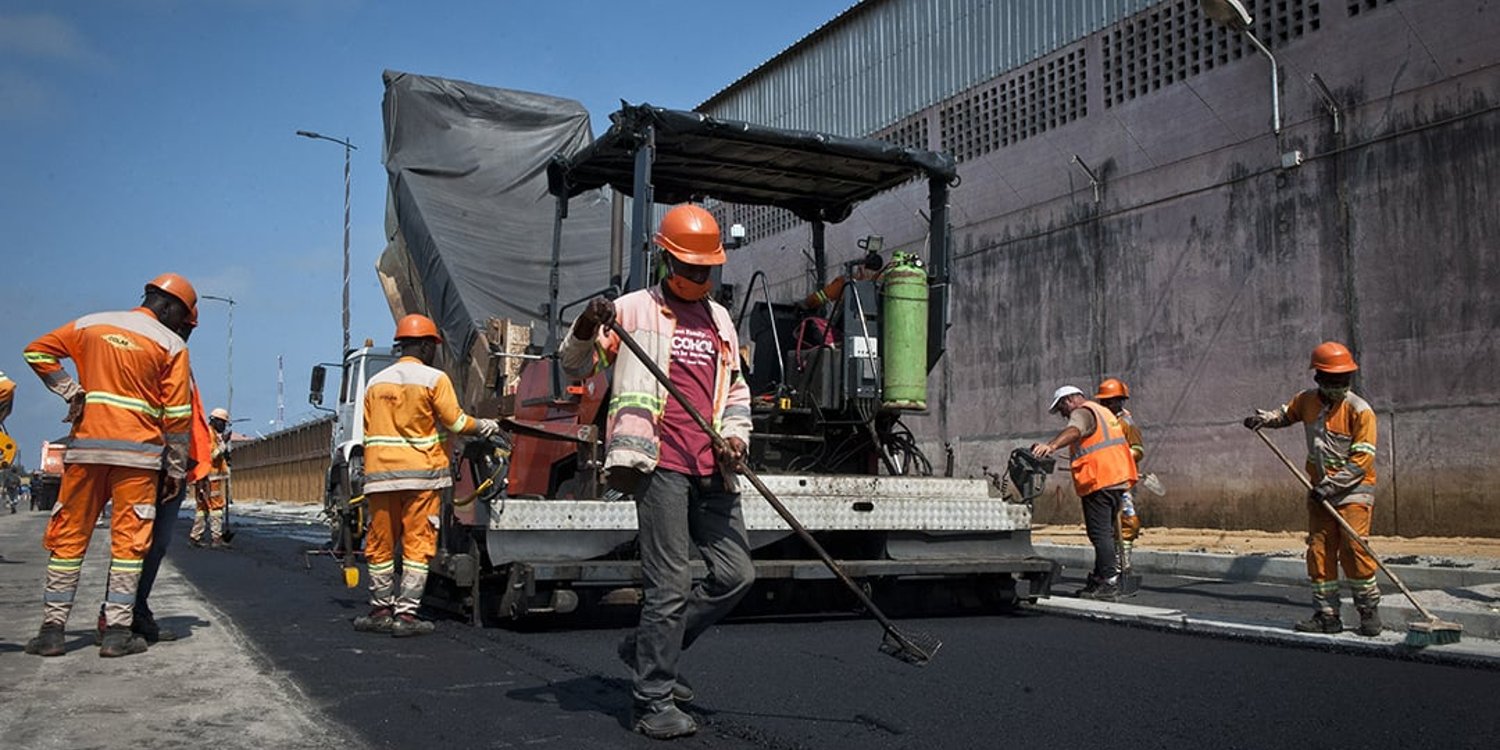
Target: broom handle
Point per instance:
(721, 446)
(1345, 524)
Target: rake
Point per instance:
(1433, 632)
(910, 647)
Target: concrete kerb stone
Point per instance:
(1469, 652)
(1467, 596)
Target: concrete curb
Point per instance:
(1259, 567)
(1389, 644)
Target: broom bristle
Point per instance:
(1433, 633)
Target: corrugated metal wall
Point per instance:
(286, 466)
(885, 59)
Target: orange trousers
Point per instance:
(1328, 546)
(85, 489)
(408, 515)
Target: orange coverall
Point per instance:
(7, 395)
(1340, 454)
(408, 406)
(133, 377)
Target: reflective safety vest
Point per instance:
(135, 375)
(1103, 458)
(638, 400)
(408, 409)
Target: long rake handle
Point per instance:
(1345, 524)
(721, 446)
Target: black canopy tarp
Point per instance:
(468, 211)
(818, 177)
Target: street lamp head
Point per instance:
(308, 134)
(1231, 14)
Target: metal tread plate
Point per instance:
(821, 503)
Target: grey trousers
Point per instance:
(1099, 522)
(675, 511)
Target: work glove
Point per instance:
(599, 312)
(1322, 491)
(168, 488)
(487, 428)
(623, 479)
(75, 409)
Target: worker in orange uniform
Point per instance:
(408, 407)
(1341, 463)
(208, 520)
(1103, 470)
(686, 494)
(1112, 395)
(131, 410)
(200, 446)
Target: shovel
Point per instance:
(910, 647)
(227, 534)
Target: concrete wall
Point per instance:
(1207, 272)
(286, 466)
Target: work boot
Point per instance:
(662, 720)
(146, 627)
(99, 628)
(682, 692)
(1320, 622)
(195, 542)
(378, 621)
(1103, 591)
(119, 641)
(406, 626)
(1369, 623)
(1089, 585)
(48, 642)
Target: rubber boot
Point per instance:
(406, 626)
(379, 620)
(662, 720)
(119, 641)
(682, 692)
(49, 641)
(1320, 622)
(1369, 622)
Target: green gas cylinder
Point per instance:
(903, 333)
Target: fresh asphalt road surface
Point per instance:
(1028, 680)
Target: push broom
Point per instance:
(910, 647)
(1433, 632)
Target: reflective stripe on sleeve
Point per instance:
(40, 358)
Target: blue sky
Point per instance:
(141, 136)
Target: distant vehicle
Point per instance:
(48, 478)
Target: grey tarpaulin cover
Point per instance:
(468, 216)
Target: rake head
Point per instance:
(910, 647)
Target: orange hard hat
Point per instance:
(417, 327)
(1112, 388)
(691, 235)
(1333, 357)
(178, 287)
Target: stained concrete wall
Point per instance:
(1206, 272)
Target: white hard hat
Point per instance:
(1062, 393)
(219, 413)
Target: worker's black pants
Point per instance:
(1099, 521)
(161, 535)
(677, 512)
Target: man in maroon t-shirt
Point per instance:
(684, 503)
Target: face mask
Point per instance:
(689, 290)
(1334, 395)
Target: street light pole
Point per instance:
(229, 400)
(347, 148)
(1233, 15)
